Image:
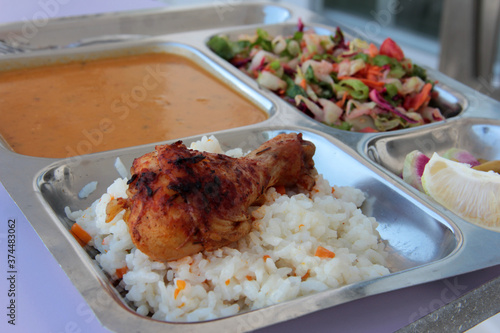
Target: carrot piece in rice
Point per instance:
(280, 189)
(81, 235)
(324, 253)
(120, 272)
(181, 284)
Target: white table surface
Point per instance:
(47, 301)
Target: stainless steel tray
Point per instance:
(426, 242)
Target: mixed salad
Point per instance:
(352, 85)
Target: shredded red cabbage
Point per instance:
(382, 103)
(300, 25)
(241, 62)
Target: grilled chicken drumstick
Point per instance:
(183, 201)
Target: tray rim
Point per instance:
(10, 159)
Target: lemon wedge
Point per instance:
(471, 194)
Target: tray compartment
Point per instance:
(449, 100)
(415, 236)
(480, 137)
(84, 140)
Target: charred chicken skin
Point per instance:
(183, 201)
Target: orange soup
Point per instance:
(83, 107)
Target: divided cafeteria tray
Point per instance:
(425, 241)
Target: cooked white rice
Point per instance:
(274, 263)
(87, 190)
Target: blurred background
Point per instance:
(457, 37)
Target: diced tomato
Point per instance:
(391, 49)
